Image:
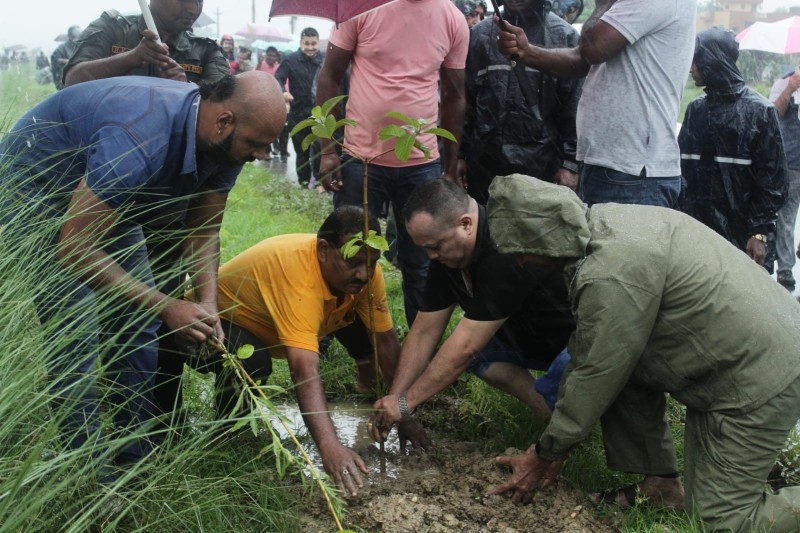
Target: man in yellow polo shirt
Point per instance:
(285, 294)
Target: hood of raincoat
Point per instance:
(715, 55)
(527, 215)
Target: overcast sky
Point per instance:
(36, 23)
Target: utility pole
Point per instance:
(292, 23)
(218, 13)
(254, 11)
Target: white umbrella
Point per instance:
(781, 37)
(265, 32)
(203, 20)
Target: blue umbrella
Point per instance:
(291, 46)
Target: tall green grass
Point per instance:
(205, 481)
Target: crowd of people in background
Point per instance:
(581, 234)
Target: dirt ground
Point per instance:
(442, 491)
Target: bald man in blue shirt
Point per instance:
(90, 164)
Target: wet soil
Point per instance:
(442, 491)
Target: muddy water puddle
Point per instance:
(350, 420)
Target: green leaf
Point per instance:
(308, 141)
(330, 126)
(377, 242)
(403, 147)
(303, 124)
(346, 122)
(411, 130)
(316, 112)
(254, 426)
(274, 388)
(352, 247)
(239, 403)
(390, 131)
(441, 132)
(400, 116)
(242, 422)
(321, 131)
(425, 150)
(330, 104)
(245, 351)
(267, 404)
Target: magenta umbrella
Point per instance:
(265, 32)
(335, 10)
(781, 37)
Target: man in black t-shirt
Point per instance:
(516, 317)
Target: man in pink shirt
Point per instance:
(402, 56)
(270, 63)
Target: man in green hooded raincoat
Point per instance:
(663, 305)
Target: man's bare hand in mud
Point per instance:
(385, 414)
(330, 171)
(412, 431)
(529, 473)
(344, 466)
(567, 178)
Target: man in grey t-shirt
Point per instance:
(785, 96)
(635, 55)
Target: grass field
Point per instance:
(203, 482)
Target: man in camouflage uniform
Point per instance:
(115, 45)
(61, 55)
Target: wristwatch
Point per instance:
(401, 399)
(759, 236)
(570, 165)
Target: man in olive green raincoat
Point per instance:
(663, 305)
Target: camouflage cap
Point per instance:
(527, 215)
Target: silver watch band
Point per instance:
(401, 399)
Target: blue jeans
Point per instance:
(392, 184)
(787, 215)
(104, 329)
(496, 351)
(600, 185)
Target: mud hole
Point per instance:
(442, 491)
